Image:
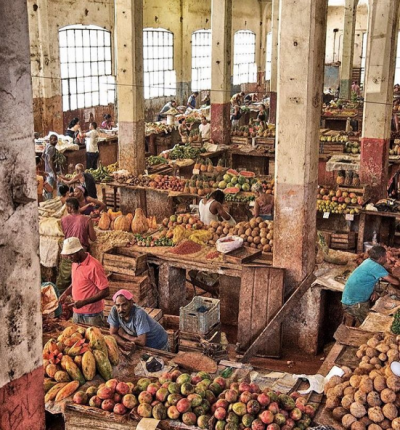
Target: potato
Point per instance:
(338, 390)
(349, 390)
(389, 411)
(358, 426)
(360, 397)
(374, 427)
(382, 347)
(388, 396)
(347, 401)
(396, 424)
(374, 373)
(355, 381)
(366, 421)
(367, 366)
(339, 413)
(379, 383)
(374, 399)
(375, 360)
(348, 420)
(357, 410)
(385, 424)
(371, 352)
(365, 359)
(332, 402)
(375, 414)
(382, 356)
(393, 382)
(373, 342)
(366, 384)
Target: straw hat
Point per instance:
(71, 246)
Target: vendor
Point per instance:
(262, 115)
(92, 148)
(191, 103)
(107, 124)
(89, 284)
(206, 100)
(359, 288)
(171, 104)
(49, 157)
(250, 98)
(237, 98)
(184, 129)
(211, 208)
(264, 203)
(82, 178)
(130, 323)
(73, 128)
(236, 115)
(205, 129)
(87, 204)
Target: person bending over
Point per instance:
(210, 208)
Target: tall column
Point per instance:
(378, 94)
(274, 61)
(21, 371)
(129, 47)
(300, 76)
(346, 68)
(221, 59)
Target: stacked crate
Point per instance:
(171, 326)
(344, 241)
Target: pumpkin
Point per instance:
(104, 221)
(122, 223)
(130, 216)
(114, 215)
(139, 222)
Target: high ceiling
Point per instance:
(341, 2)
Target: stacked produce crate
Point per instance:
(344, 241)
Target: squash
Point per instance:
(122, 223)
(139, 222)
(104, 221)
(130, 216)
(114, 215)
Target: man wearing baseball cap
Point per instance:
(89, 284)
(130, 323)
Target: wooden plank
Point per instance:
(229, 295)
(246, 299)
(242, 255)
(351, 336)
(259, 308)
(172, 288)
(278, 318)
(124, 265)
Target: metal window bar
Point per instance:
(86, 73)
(244, 57)
(158, 63)
(201, 60)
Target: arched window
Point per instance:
(158, 63)
(201, 60)
(244, 60)
(86, 68)
(268, 57)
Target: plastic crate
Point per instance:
(199, 322)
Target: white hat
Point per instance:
(71, 245)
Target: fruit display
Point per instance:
(155, 160)
(124, 177)
(339, 202)
(395, 150)
(352, 148)
(338, 138)
(239, 198)
(392, 259)
(180, 152)
(165, 182)
(157, 128)
(136, 223)
(255, 233)
(368, 397)
(202, 401)
(103, 174)
(149, 241)
(75, 357)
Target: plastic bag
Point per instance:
(229, 243)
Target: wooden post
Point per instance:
(171, 288)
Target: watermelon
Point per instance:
(231, 190)
(233, 172)
(247, 174)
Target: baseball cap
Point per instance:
(71, 245)
(127, 294)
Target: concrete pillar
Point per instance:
(221, 64)
(21, 372)
(129, 47)
(378, 94)
(346, 68)
(274, 61)
(300, 76)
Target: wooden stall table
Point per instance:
(215, 156)
(385, 223)
(254, 160)
(108, 150)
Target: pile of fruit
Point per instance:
(74, 358)
(203, 402)
(188, 221)
(368, 397)
(353, 148)
(338, 201)
(103, 174)
(395, 150)
(239, 198)
(155, 160)
(149, 241)
(137, 223)
(255, 233)
(268, 186)
(124, 177)
(157, 128)
(392, 259)
(165, 182)
(181, 152)
(241, 181)
(337, 138)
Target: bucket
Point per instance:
(170, 119)
(368, 246)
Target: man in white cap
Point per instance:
(89, 284)
(130, 324)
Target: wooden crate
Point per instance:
(345, 241)
(171, 325)
(265, 141)
(331, 148)
(229, 294)
(125, 262)
(239, 140)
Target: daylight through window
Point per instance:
(86, 68)
(244, 69)
(201, 60)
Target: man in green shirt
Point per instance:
(359, 288)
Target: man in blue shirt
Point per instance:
(130, 323)
(359, 288)
(192, 100)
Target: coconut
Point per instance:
(379, 383)
(373, 399)
(382, 347)
(349, 390)
(339, 413)
(357, 425)
(357, 410)
(388, 396)
(355, 381)
(360, 397)
(366, 384)
(347, 401)
(375, 414)
(348, 420)
(396, 424)
(371, 352)
(332, 402)
(389, 411)
(393, 382)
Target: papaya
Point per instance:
(103, 364)
(88, 365)
(66, 391)
(52, 393)
(96, 339)
(51, 370)
(68, 332)
(72, 369)
(48, 384)
(62, 376)
(78, 361)
(76, 348)
(231, 190)
(112, 349)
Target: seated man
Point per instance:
(359, 288)
(130, 323)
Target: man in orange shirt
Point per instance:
(89, 284)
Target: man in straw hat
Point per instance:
(89, 284)
(130, 323)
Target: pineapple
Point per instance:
(340, 177)
(349, 178)
(356, 180)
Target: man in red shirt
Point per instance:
(89, 284)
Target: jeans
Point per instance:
(358, 311)
(92, 319)
(91, 160)
(52, 181)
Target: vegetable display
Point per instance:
(368, 397)
(180, 152)
(201, 401)
(396, 323)
(155, 160)
(103, 174)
